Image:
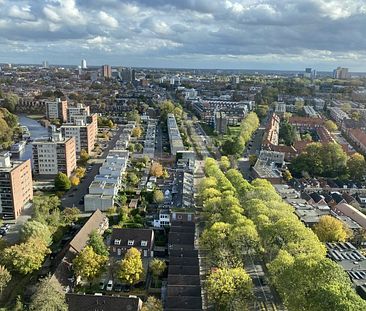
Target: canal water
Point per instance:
(36, 130)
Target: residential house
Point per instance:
(123, 239)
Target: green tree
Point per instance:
(88, 264)
(152, 304)
(228, 289)
(287, 133)
(48, 296)
(74, 181)
(225, 163)
(157, 267)
(5, 278)
(97, 243)
(62, 182)
(165, 108)
(110, 124)
(131, 270)
(34, 229)
(330, 229)
(70, 215)
(84, 156)
(331, 126)
(158, 196)
(356, 166)
(132, 178)
(10, 102)
(26, 257)
(286, 174)
(139, 147)
(19, 306)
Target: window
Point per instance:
(131, 242)
(117, 242)
(143, 243)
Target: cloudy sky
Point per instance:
(238, 34)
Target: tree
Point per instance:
(165, 174)
(287, 133)
(131, 269)
(158, 196)
(19, 306)
(34, 229)
(84, 156)
(5, 278)
(74, 181)
(330, 229)
(131, 147)
(136, 132)
(88, 264)
(110, 124)
(252, 159)
(157, 267)
(165, 108)
(48, 296)
(156, 169)
(346, 107)
(132, 178)
(227, 288)
(152, 304)
(10, 102)
(356, 166)
(26, 257)
(97, 243)
(62, 182)
(225, 163)
(70, 215)
(139, 147)
(80, 172)
(331, 126)
(286, 175)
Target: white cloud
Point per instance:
(107, 20)
(21, 13)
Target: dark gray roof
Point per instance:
(137, 235)
(80, 302)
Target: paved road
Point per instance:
(72, 198)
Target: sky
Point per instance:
(223, 34)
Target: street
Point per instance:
(73, 198)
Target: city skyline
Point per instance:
(249, 34)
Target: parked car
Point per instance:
(118, 287)
(109, 285)
(101, 284)
(2, 232)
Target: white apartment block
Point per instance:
(176, 143)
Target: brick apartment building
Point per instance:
(16, 186)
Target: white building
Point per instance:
(163, 219)
(83, 64)
(175, 140)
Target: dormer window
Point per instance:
(117, 242)
(143, 243)
(131, 242)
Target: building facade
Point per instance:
(54, 156)
(56, 109)
(16, 186)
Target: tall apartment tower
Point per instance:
(107, 71)
(83, 133)
(55, 155)
(83, 64)
(341, 73)
(57, 109)
(16, 186)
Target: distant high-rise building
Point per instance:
(83, 64)
(341, 73)
(107, 71)
(310, 73)
(45, 64)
